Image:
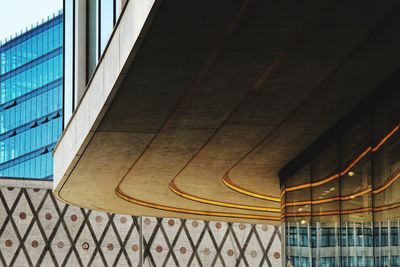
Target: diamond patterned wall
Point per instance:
(38, 230)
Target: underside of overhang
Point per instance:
(220, 96)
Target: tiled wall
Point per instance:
(38, 230)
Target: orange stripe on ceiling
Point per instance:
(128, 198)
(228, 182)
(174, 188)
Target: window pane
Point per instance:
(107, 21)
(92, 35)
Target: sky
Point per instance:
(16, 15)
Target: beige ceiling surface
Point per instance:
(211, 109)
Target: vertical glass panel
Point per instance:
(93, 35)
(386, 184)
(106, 21)
(355, 194)
(118, 9)
(68, 60)
(299, 239)
(386, 159)
(355, 170)
(355, 188)
(326, 206)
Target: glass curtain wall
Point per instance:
(98, 23)
(343, 207)
(101, 19)
(31, 100)
(69, 59)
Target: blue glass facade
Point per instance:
(31, 100)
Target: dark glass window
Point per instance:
(293, 236)
(350, 237)
(384, 237)
(303, 237)
(313, 237)
(394, 236)
(327, 262)
(328, 237)
(353, 192)
(395, 261)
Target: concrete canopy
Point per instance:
(213, 98)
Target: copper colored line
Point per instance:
(351, 165)
(237, 188)
(342, 212)
(186, 195)
(385, 138)
(143, 203)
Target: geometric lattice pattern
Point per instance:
(38, 230)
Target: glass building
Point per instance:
(84, 47)
(342, 204)
(31, 78)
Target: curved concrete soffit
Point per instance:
(175, 189)
(225, 179)
(148, 204)
(235, 187)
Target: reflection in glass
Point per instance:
(354, 197)
(298, 239)
(106, 22)
(68, 59)
(31, 101)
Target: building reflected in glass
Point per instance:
(342, 206)
(31, 100)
